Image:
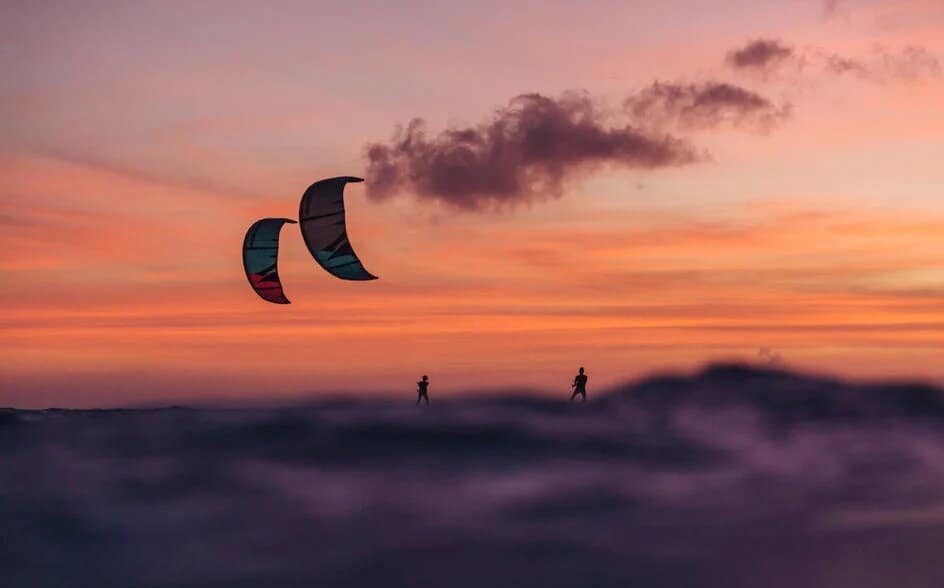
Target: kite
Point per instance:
(261, 256)
(321, 219)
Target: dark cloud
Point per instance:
(705, 105)
(759, 54)
(524, 153)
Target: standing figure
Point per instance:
(421, 388)
(579, 386)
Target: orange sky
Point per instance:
(134, 157)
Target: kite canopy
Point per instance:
(321, 218)
(260, 258)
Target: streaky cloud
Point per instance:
(909, 63)
(184, 181)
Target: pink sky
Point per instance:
(139, 141)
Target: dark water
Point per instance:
(732, 478)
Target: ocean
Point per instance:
(735, 476)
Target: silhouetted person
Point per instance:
(580, 386)
(421, 388)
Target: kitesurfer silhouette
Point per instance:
(421, 388)
(579, 386)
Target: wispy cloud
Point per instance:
(770, 57)
(883, 64)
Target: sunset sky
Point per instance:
(799, 207)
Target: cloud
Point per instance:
(882, 64)
(705, 105)
(770, 356)
(173, 180)
(838, 64)
(909, 63)
(831, 8)
(759, 54)
(15, 221)
(524, 153)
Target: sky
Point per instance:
(626, 186)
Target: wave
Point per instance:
(733, 476)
